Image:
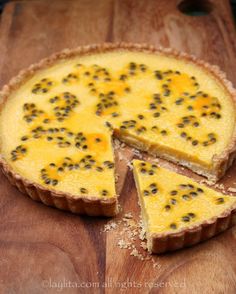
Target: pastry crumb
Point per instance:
(137, 153)
(156, 265)
(233, 190)
(143, 245)
(135, 253)
(116, 178)
(110, 226)
(128, 215)
(208, 182)
(130, 235)
(118, 145)
(123, 244)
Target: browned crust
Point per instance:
(192, 234)
(160, 243)
(93, 205)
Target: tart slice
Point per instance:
(178, 212)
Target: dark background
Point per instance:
(195, 8)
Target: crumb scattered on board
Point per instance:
(130, 236)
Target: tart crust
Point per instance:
(108, 207)
(160, 243)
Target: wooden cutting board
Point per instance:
(44, 250)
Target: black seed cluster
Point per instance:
(211, 139)
(184, 192)
(61, 136)
(152, 189)
(147, 168)
(108, 164)
(211, 108)
(133, 69)
(31, 112)
(189, 120)
(188, 191)
(97, 75)
(70, 78)
(88, 162)
(80, 141)
(43, 86)
(128, 124)
(166, 78)
(156, 105)
(106, 101)
(132, 124)
(19, 152)
(45, 175)
(171, 202)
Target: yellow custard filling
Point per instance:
(56, 128)
(171, 202)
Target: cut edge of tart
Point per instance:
(109, 206)
(171, 208)
(85, 205)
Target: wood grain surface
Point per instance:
(44, 250)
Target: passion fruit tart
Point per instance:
(178, 212)
(58, 118)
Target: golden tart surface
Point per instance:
(58, 118)
(174, 206)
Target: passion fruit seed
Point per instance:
(220, 200)
(186, 197)
(167, 207)
(83, 190)
(191, 214)
(104, 193)
(186, 218)
(173, 201)
(145, 192)
(173, 226)
(200, 190)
